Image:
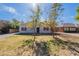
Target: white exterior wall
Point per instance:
(29, 30)
(45, 31)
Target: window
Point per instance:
(66, 29)
(46, 29)
(23, 28)
(70, 29)
(73, 29)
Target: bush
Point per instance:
(28, 42)
(53, 47)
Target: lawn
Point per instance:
(12, 43)
(17, 45)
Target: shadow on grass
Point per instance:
(72, 46)
(41, 49)
(37, 34)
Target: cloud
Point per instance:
(8, 9)
(72, 16)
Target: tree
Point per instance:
(36, 18)
(14, 24)
(4, 26)
(54, 13)
(77, 16)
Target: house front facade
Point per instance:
(38, 29)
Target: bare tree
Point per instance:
(54, 13)
(36, 18)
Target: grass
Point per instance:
(9, 45)
(45, 45)
(28, 42)
(53, 47)
(13, 42)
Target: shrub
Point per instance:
(28, 42)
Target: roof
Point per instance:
(41, 24)
(45, 24)
(69, 25)
(77, 25)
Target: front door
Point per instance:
(38, 30)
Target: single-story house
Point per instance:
(68, 27)
(42, 28)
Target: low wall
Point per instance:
(13, 30)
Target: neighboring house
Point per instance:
(68, 27)
(0, 32)
(77, 27)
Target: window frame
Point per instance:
(23, 28)
(46, 28)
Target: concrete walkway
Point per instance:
(6, 35)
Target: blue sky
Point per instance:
(22, 11)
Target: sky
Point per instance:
(22, 11)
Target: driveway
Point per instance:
(73, 37)
(6, 35)
(69, 34)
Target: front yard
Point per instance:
(10, 44)
(17, 45)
